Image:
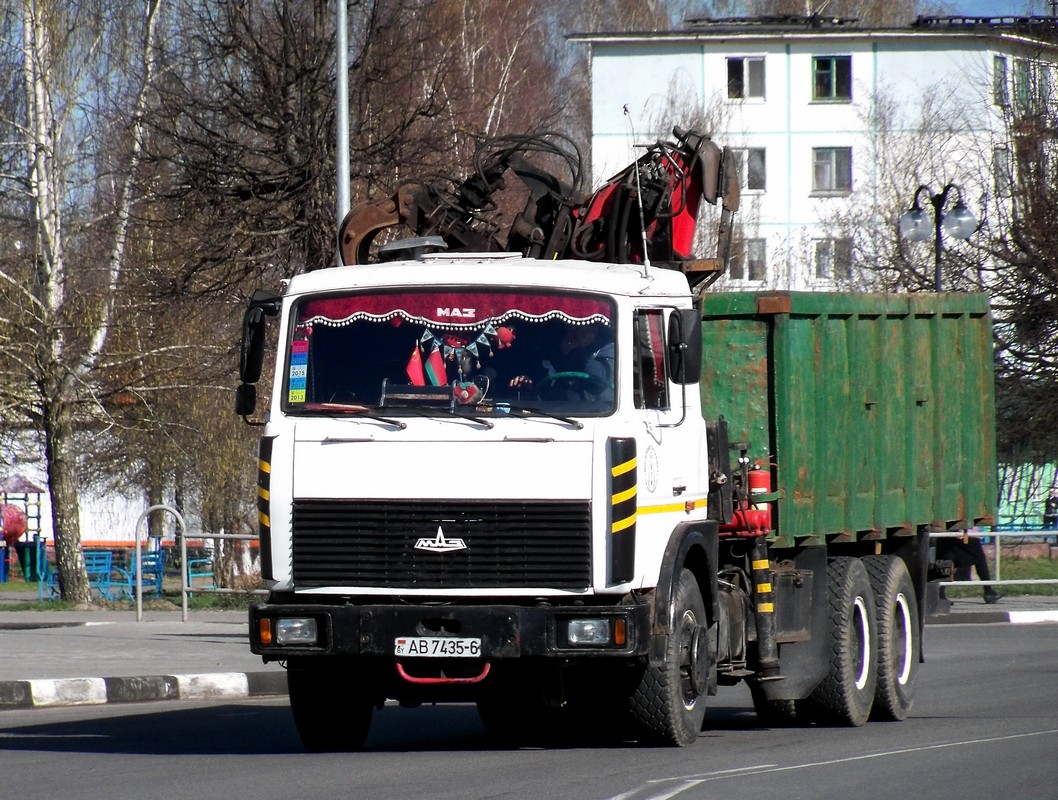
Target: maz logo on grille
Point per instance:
(439, 544)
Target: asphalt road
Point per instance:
(985, 725)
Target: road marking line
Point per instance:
(691, 781)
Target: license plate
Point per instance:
(437, 647)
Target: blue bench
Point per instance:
(99, 566)
(152, 567)
(200, 568)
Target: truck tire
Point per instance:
(899, 638)
(331, 716)
(846, 694)
(669, 700)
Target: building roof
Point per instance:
(1034, 28)
(17, 484)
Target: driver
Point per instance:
(582, 349)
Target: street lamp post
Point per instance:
(959, 222)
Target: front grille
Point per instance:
(508, 544)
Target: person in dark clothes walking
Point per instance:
(1050, 511)
(966, 554)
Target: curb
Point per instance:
(978, 617)
(45, 693)
(96, 691)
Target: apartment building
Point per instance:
(835, 125)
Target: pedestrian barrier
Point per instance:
(997, 536)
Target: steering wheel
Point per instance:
(570, 386)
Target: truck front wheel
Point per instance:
(846, 694)
(669, 702)
(898, 637)
(331, 713)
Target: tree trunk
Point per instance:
(62, 481)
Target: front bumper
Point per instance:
(506, 632)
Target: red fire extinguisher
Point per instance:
(752, 519)
(760, 484)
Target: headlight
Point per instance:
(589, 631)
(296, 630)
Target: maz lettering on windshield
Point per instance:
(462, 313)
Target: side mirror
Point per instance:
(245, 399)
(251, 351)
(685, 346)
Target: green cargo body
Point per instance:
(875, 412)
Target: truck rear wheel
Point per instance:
(669, 701)
(899, 639)
(846, 694)
(330, 713)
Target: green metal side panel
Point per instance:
(876, 412)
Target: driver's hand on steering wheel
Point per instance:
(521, 382)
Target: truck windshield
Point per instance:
(451, 350)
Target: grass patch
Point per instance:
(198, 600)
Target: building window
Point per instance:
(1023, 94)
(751, 168)
(833, 259)
(750, 261)
(745, 78)
(832, 78)
(1000, 96)
(832, 170)
(1004, 177)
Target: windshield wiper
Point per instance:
(435, 413)
(577, 424)
(357, 410)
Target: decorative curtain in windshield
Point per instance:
(450, 347)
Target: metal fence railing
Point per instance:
(186, 587)
(996, 539)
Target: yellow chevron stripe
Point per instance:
(766, 608)
(263, 493)
(264, 520)
(763, 588)
(621, 469)
(264, 466)
(620, 497)
(623, 524)
(761, 563)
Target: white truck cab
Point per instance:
(473, 461)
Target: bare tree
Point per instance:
(76, 73)
(1020, 240)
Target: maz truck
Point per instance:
(584, 494)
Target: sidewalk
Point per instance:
(1018, 609)
(50, 658)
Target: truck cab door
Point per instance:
(672, 434)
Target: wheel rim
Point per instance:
(861, 642)
(903, 646)
(690, 644)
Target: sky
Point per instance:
(1000, 8)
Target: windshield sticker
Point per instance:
(299, 370)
